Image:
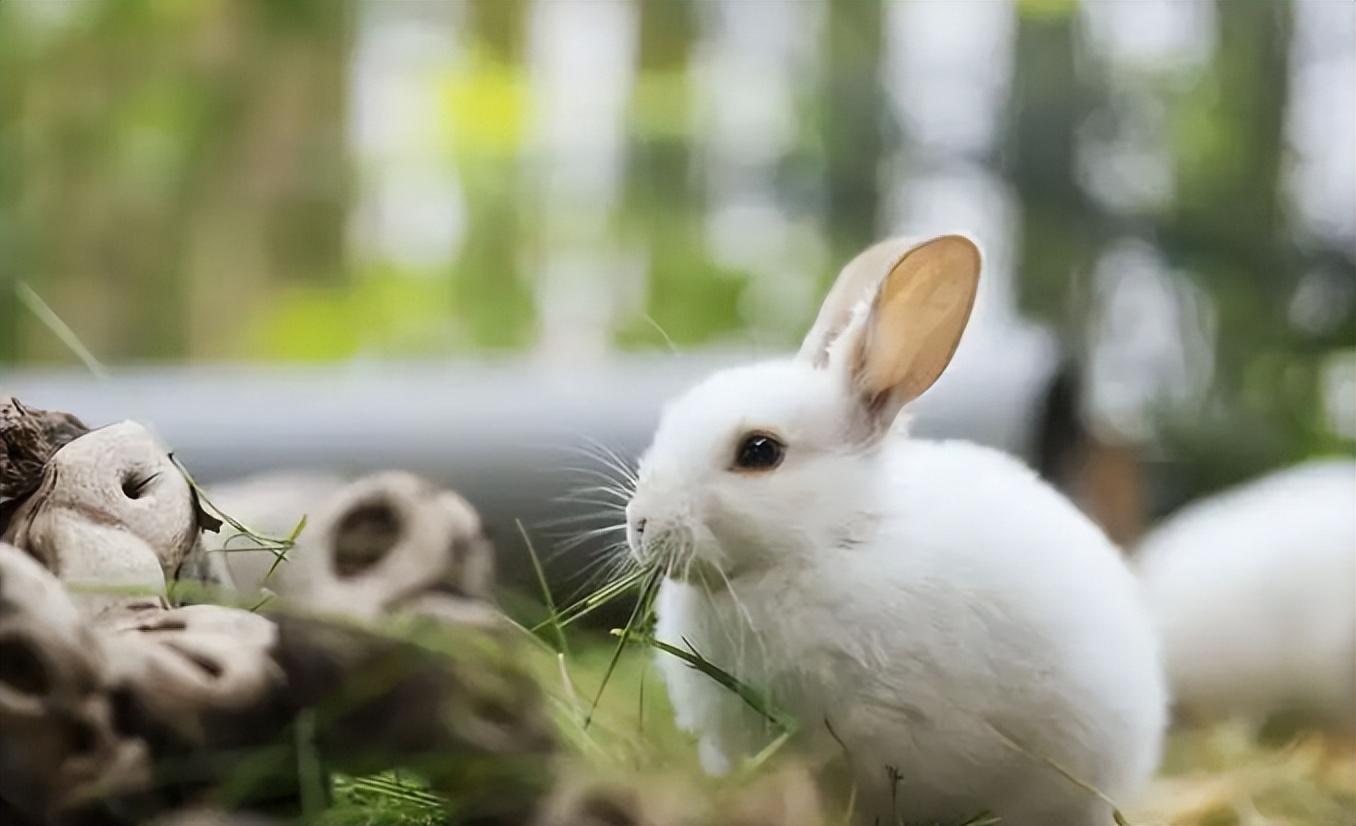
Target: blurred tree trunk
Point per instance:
(176, 161)
(83, 237)
(494, 297)
(267, 201)
(853, 120)
(1055, 250)
(13, 240)
(1227, 230)
(1228, 224)
(663, 209)
(1057, 246)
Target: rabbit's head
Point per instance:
(774, 460)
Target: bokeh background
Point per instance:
(476, 238)
(1165, 189)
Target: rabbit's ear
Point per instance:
(855, 286)
(914, 324)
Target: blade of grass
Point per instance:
(44, 313)
(290, 542)
(278, 546)
(571, 695)
(753, 698)
(310, 774)
(1016, 744)
(640, 701)
(382, 786)
(530, 634)
(552, 616)
(639, 615)
(756, 762)
(851, 809)
(597, 599)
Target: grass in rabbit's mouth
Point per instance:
(639, 628)
(642, 618)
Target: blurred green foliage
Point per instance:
(177, 180)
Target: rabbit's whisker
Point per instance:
(608, 458)
(609, 566)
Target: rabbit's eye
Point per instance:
(759, 451)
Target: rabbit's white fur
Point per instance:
(936, 604)
(1254, 593)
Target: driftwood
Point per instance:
(102, 720)
(28, 438)
(115, 707)
(376, 646)
(111, 516)
(60, 747)
(386, 543)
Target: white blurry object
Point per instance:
(1254, 592)
(386, 542)
(270, 504)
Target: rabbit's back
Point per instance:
(1254, 591)
(1055, 644)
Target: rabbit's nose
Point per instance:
(635, 531)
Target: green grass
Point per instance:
(1215, 776)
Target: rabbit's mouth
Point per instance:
(695, 571)
(668, 550)
(676, 550)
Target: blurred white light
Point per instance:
(1339, 393)
(582, 64)
(1124, 152)
(411, 217)
(576, 307)
(1322, 299)
(409, 209)
(752, 63)
(1124, 156)
(1166, 35)
(1321, 120)
(42, 18)
(946, 71)
(1150, 341)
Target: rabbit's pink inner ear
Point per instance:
(856, 284)
(915, 323)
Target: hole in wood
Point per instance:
(22, 668)
(365, 536)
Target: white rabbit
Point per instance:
(1254, 593)
(935, 604)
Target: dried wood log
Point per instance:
(270, 504)
(116, 708)
(386, 543)
(198, 677)
(28, 438)
(114, 722)
(458, 710)
(111, 514)
(61, 747)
